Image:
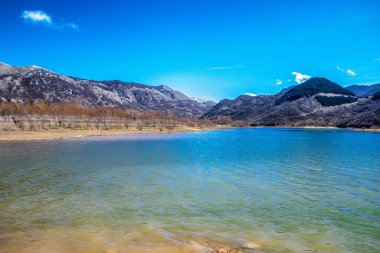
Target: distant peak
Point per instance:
(313, 87)
(201, 100)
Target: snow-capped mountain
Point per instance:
(208, 103)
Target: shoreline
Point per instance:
(57, 134)
(353, 129)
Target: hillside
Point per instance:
(241, 108)
(376, 95)
(33, 83)
(364, 90)
(312, 87)
(317, 102)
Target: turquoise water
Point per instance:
(289, 190)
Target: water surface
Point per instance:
(290, 190)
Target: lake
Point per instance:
(289, 190)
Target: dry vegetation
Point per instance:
(45, 116)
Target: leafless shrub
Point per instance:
(42, 115)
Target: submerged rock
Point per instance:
(227, 250)
(251, 245)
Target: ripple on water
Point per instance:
(287, 190)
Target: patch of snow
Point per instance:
(199, 100)
(250, 94)
(202, 100)
(36, 67)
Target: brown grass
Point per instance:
(45, 116)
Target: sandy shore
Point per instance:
(67, 134)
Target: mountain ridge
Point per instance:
(364, 90)
(316, 102)
(33, 83)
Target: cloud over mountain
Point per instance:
(300, 78)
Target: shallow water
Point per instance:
(290, 190)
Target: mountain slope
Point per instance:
(34, 83)
(317, 103)
(241, 108)
(312, 87)
(376, 95)
(364, 90)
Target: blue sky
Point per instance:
(207, 48)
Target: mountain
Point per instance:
(316, 102)
(243, 107)
(364, 90)
(312, 87)
(33, 83)
(205, 102)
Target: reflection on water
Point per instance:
(288, 190)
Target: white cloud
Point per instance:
(278, 82)
(350, 72)
(226, 67)
(300, 78)
(40, 17)
(36, 17)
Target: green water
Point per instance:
(289, 190)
